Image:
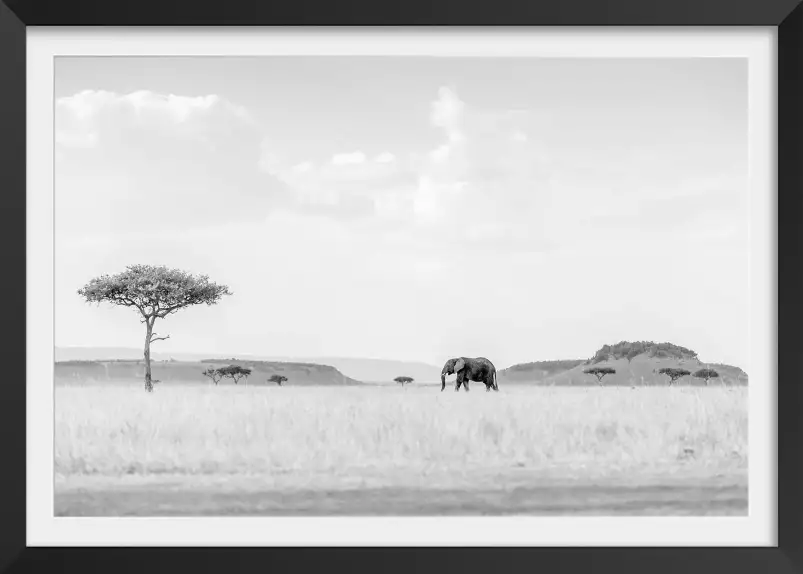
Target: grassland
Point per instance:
(377, 450)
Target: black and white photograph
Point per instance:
(366, 286)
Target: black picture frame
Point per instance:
(787, 15)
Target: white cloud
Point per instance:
(433, 201)
(485, 167)
(483, 172)
(488, 171)
(124, 154)
(483, 153)
(440, 153)
(178, 108)
(389, 205)
(447, 112)
(100, 113)
(302, 167)
(350, 182)
(348, 158)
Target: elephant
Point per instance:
(478, 369)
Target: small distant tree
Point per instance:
(155, 292)
(673, 374)
(600, 372)
(404, 380)
(213, 374)
(706, 374)
(235, 372)
(278, 379)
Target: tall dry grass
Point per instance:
(280, 431)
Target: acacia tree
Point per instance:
(404, 380)
(278, 379)
(673, 374)
(213, 374)
(154, 291)
(706, 374)
(600, 372)
(235, 372)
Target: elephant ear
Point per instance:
(459, 365)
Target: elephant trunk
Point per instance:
(443, 381)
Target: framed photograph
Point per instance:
(465, 284)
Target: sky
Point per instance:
(409, 208)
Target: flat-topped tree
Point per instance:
(673, 374)
(278, 379)
(404, 380)
(600, 372)
(706, 374)
(154, 291)
(235, 372)
(213, 374)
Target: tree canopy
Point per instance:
(673, 373)
(600, 372)
(403, 380)
(155, 291)
(213, 374)
(706, 374)
(235, 372)
(278, 379)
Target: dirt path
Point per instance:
(590, 499)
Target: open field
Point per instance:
(374, 450)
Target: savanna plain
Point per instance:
(198, 449)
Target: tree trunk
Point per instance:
(148, 381)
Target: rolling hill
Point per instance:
(365, 370)
(540, 370)
(636, 364)
(180, 372)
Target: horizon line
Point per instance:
(357, 358)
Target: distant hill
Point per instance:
(110, 354)
(629, 350)
(636, 364)
(298, 374)
(539, 370)
(383, 370)
(642, 370)
(365, 370)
